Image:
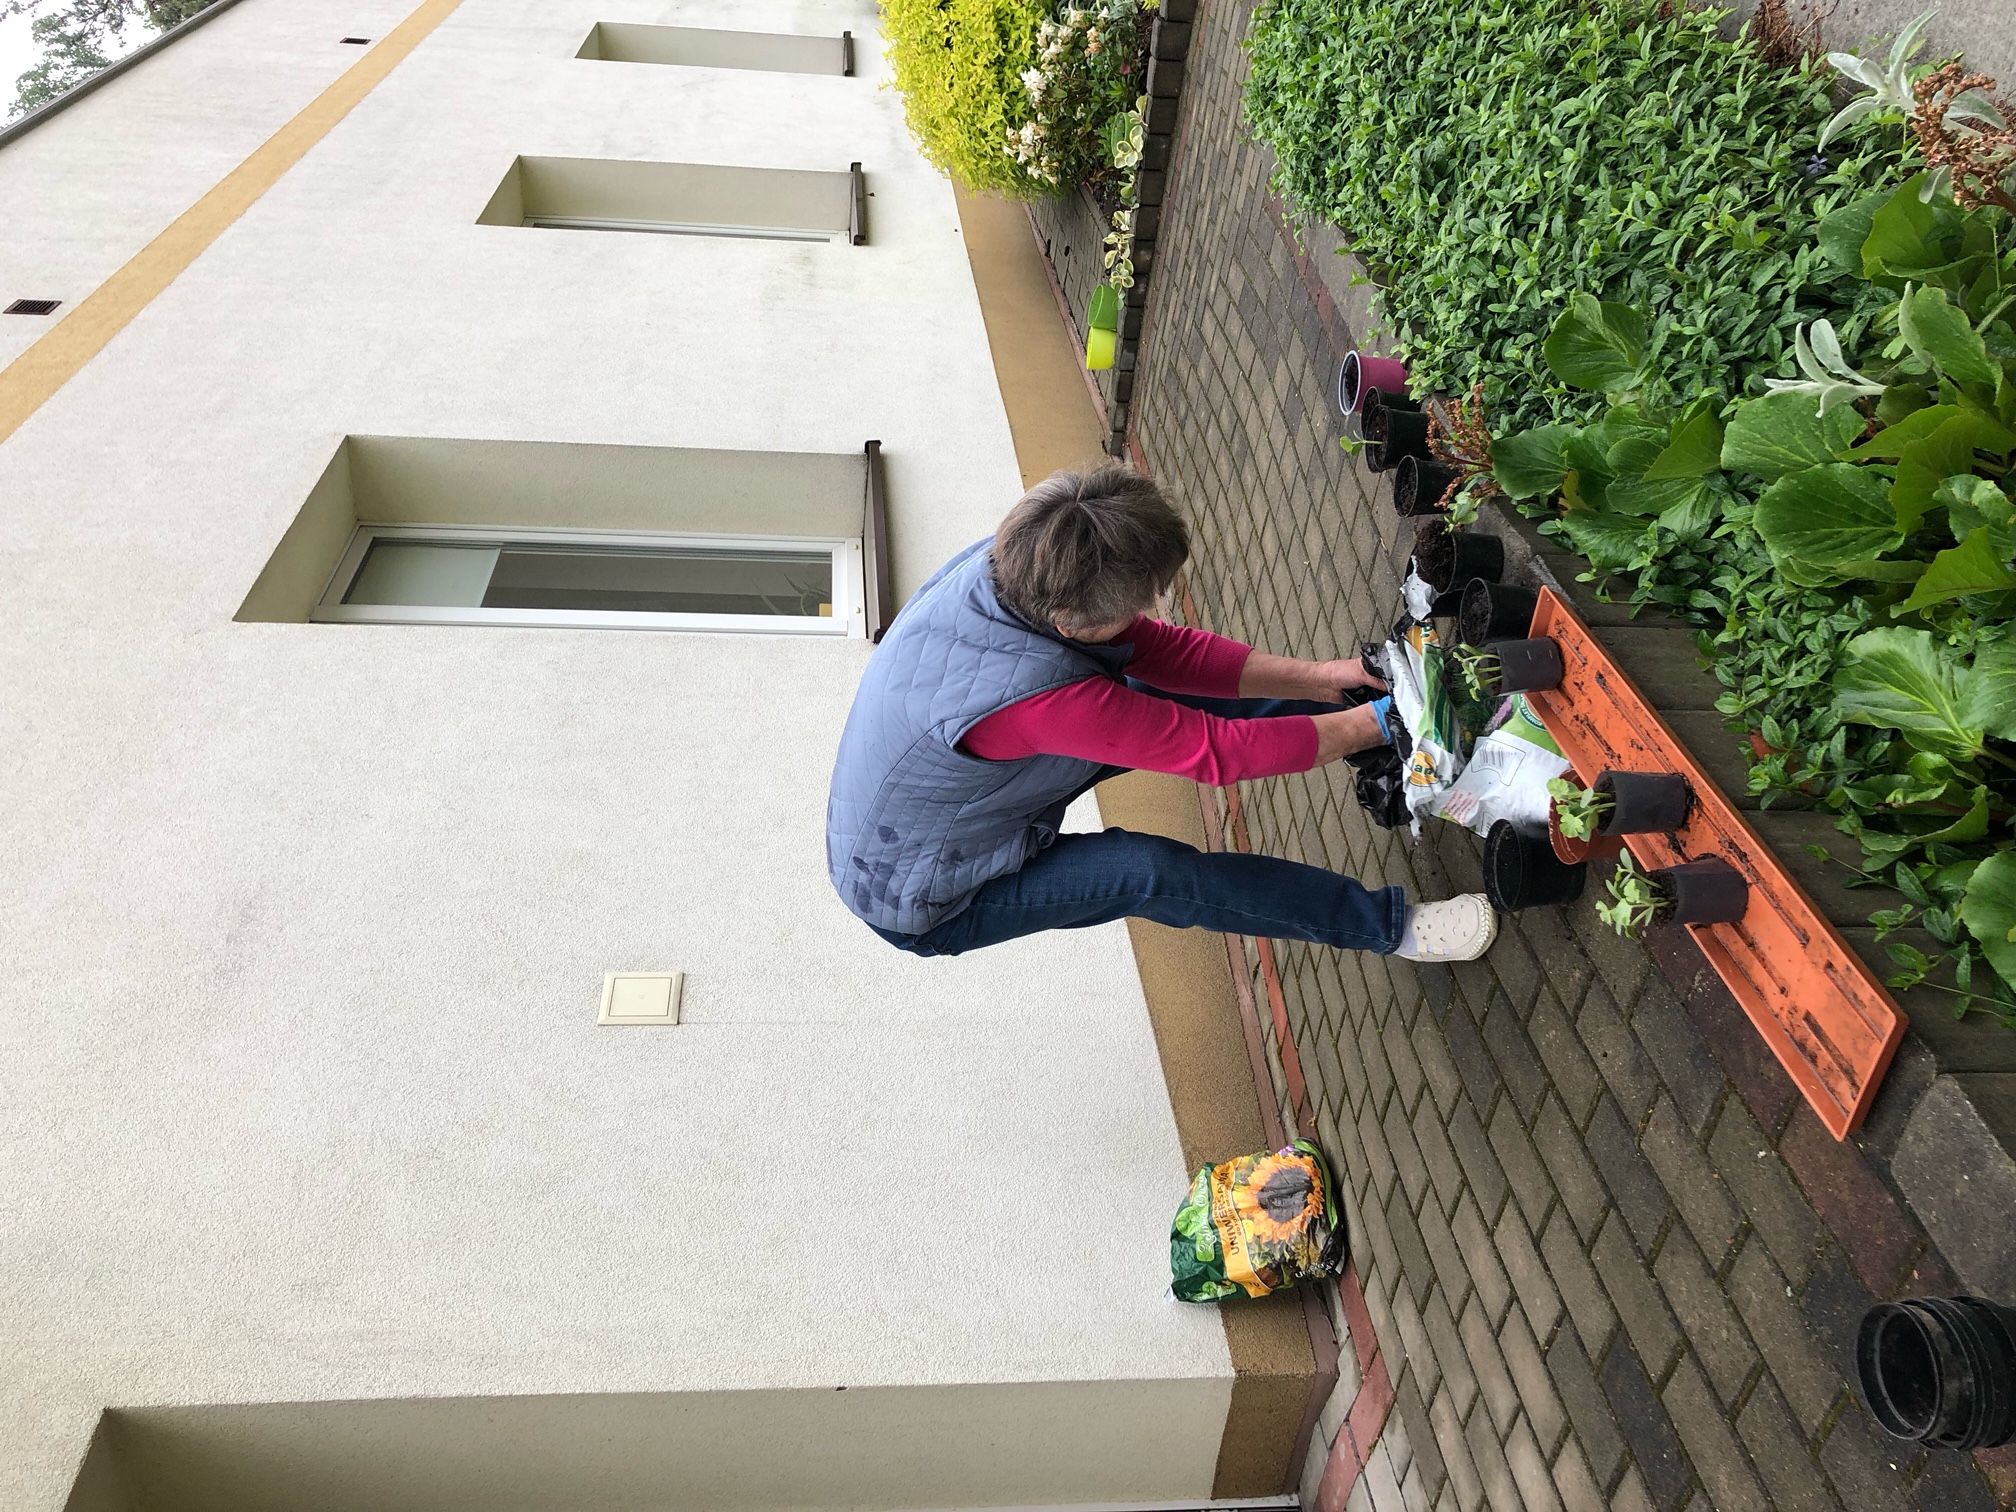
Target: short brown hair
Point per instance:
(1088, 548)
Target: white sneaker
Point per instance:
(1456, 929)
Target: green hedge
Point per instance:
(1014, 96)
(1490, 158)
(958, 64)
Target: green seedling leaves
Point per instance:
(1781, 434)
(1904, 680)
(1696, 448)
(1595, 345)
(1827, 519)
(1531, 464)
(1941, 335)
(1989, 912)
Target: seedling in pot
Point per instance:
(1636, 897)
(1476, 669)
(1706, 890)
(1579, 811)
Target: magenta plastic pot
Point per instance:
(1360, 372)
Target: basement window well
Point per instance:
(680, 199)
(414, 530)
(413, 574)
(702, 47)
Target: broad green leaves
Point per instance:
(1989, 910)
(1531, 464)
(1904, 680)
(1823, 521)
(1943, 336)
(1595, 345)
(1976, 565)
(1694, 451)
(1781, 434)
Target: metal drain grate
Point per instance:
(31, 307)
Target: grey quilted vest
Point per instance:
(915, 827)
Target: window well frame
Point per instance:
(849, 596)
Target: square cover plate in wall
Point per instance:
(641, 997)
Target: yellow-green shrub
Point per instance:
(958, 65)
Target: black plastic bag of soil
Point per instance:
(1381, 783)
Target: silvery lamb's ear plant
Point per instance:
(1890, 80)
(1828, 377)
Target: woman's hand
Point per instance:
(1268, 676)
(1351, 673)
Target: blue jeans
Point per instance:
(1082, 880)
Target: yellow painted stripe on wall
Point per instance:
(30, 379)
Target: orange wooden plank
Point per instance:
(1820, 1009)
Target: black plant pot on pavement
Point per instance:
(1522, 871)
(1495, 611)
(1940, 1370)
(1418, 484)
(1392, 433)
(1529, 666)
(1446, 556)
(1707, 890)
(1645, 803)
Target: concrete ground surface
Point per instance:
(1605, 1257)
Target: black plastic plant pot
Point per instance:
(1529, 666)
(1704, 891)
(1419, 484)
(1444, 555)
(1940, 1370)
(1522, 871)
(1644, 803)
(1387, 398)
(1495, 611)
(1404, 433)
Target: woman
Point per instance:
(1027, 669)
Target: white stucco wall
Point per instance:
(302, 927)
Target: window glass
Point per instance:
(448, 575)
(410, 570)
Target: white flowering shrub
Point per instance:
(1087, 71)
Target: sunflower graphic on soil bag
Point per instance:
(1256, 1224)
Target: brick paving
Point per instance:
(1608, 1259)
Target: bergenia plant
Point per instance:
(1828, 377)
(1890, 80)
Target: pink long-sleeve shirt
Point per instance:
(1098, 719)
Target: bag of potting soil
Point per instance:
(1506, 775)
(1414, 661)
(1255, 1225)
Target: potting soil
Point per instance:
(1506, 775)
(1421, 696)
(1256, 1224)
